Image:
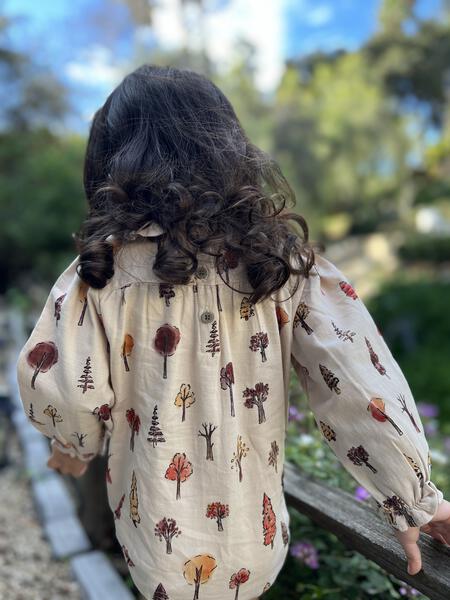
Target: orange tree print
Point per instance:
(127, 349)
(260, 341)
(184, 398)
(166, 341)
(167, 529)
(179, 470)
(255, 397)
(41, 358)
(134, 501)
(282, 317)
(377, 409)
(226, 381)
(217, 511)
(198, 570)
(269, 521)
(237, 579)
(135, 423)
(246, 310)
(241, 452)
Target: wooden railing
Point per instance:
(359, 528)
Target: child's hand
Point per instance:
(65, 464)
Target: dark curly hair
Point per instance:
(167, 146)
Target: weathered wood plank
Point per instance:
(66, 536)
(97, 577)
(359, 528)
(52, 499)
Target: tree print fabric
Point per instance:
(191, 414)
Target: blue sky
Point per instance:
(67, 36)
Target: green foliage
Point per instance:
(422, 247)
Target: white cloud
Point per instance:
(318, 15)
(95, 66)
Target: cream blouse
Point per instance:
(185, 389)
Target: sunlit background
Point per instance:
(351, 97)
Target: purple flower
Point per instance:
(431, 428)
(427, 410)
(447, 443)
(361, 493)
(305, 552)
(295, 414)
(408, 591)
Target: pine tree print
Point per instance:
(118, 509)
(416, 469)
(155, 435)
(301, 313)
(284, 533)
(166, 529)
(396, 506)
(185, 398)
(213, 344)
(237, 579)
(160, 593)
(359, 456)
(273, 455)
(51, 412)
(374, 359)
(179, 470)
(346, 335)
(219, 304)
(134, 501)
(217, 511)
(166, 341)
(269, 521)
(127, 349)
(126, 556)
(402, 400)
(241, 452)
(327, 432)
(82, 297)
(330, 379)
(377, 409)
(227, 381)
(259, 341)
(41, 358)
(348, 290)
(31, 415)
(103, 412)
(134, 422)
(246, 310)
(198, 570)
(282, 317)
(85, 381)
(207, 433)
(166, 291)
(58, 304)
(256, 397)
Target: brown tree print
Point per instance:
(237, 579)
(269, 521)
(108, 470)
(256, 397)
(273, 455)
(134, 501)
(401, 398)
(207, 434)
(127, 349)
(415, 467)
(284, 533)
(217, 511)
(86, 381)
(359, 456)
(185, 398)
(160, 593)
(227, 381)
(126, 556)
(166, 291)
(83, 289)
(241, 452)
(32, 417)
(377, 409)
(103, 412)
(58, 305)
(51, 412)
(327, 431)
(394, 505)
(219, 304)
(80, 438)
(155, 435)
(134, 422)
(246, 310)
(41, 358)
(228, 260)
(198, 570)
(330, 379)
(118, 509)
(213, 344)
(282, 317)
(346, 335)
(301, 313)
(179, 470)
(260, 341)
(166, 529)
(166, 341)
(374, 359)
(266, 587)
(348, 289)
(122, 293)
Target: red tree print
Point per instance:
(103, 412)
(348, 289)
(166, 342)
(217, 511)
(41, 358)
(226, 381)
(134, 422)
(179, 470)
(118, 510)
(255, 397)
(269, 521)
(126, 556)
(260, 341)
(237, 579)
(167, 529)
(374, 359)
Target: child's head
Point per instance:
(167, 147)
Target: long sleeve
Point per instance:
(360, 398)
(63, 370)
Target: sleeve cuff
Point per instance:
(71, 451)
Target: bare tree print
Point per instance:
(207, 433)
(401, 398)
(51, 412)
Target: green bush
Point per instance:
(422, 247)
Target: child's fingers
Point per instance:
(408, 540)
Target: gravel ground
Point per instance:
(27, 570)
